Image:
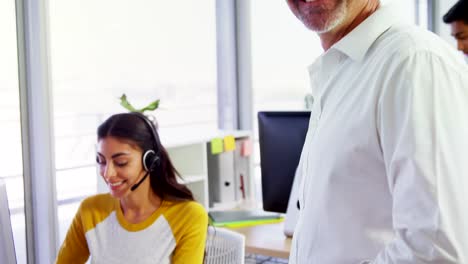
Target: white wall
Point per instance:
(406, 8)
(441, 7)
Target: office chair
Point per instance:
(224, 247)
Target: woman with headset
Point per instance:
(142, 219)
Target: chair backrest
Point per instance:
(7, 247)
(224, 246)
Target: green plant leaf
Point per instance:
(124, 102)
(152, 106)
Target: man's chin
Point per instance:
(333, 22)
(325, 27)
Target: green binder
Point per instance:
(240, 218)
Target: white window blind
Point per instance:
(144, 48)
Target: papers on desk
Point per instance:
(240, 218)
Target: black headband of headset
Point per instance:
(152, 130)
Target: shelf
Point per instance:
(189, 159)
(188, 179)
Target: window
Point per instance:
(422, 13)
(146, 49)
(10, 134)
(282, 49)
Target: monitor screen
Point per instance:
(281, 138)
(7, 247)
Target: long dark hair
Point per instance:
(138, 129)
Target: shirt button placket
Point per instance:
(316, 113)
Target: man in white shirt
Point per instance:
(384, 168)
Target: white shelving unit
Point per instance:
(190, 162)
(188, 152)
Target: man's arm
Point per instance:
(423, 127)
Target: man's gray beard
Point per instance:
(338, 18)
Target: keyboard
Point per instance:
(261, 259)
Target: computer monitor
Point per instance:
(7, 246)
(281, 138)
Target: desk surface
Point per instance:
(268, 240)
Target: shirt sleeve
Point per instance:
(74, 248)
(190, 247)
(423, 128)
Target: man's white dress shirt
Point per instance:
(385, 162)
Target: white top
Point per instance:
(385, 161)
(175, 233)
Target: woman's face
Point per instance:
(119, 165)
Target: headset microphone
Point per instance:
(139, 182)
(150, 162)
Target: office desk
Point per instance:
(268, 240)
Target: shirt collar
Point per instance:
(356, 43)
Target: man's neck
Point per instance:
(355, 16)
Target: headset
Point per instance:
(150, 158)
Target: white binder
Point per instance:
(221, 183)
